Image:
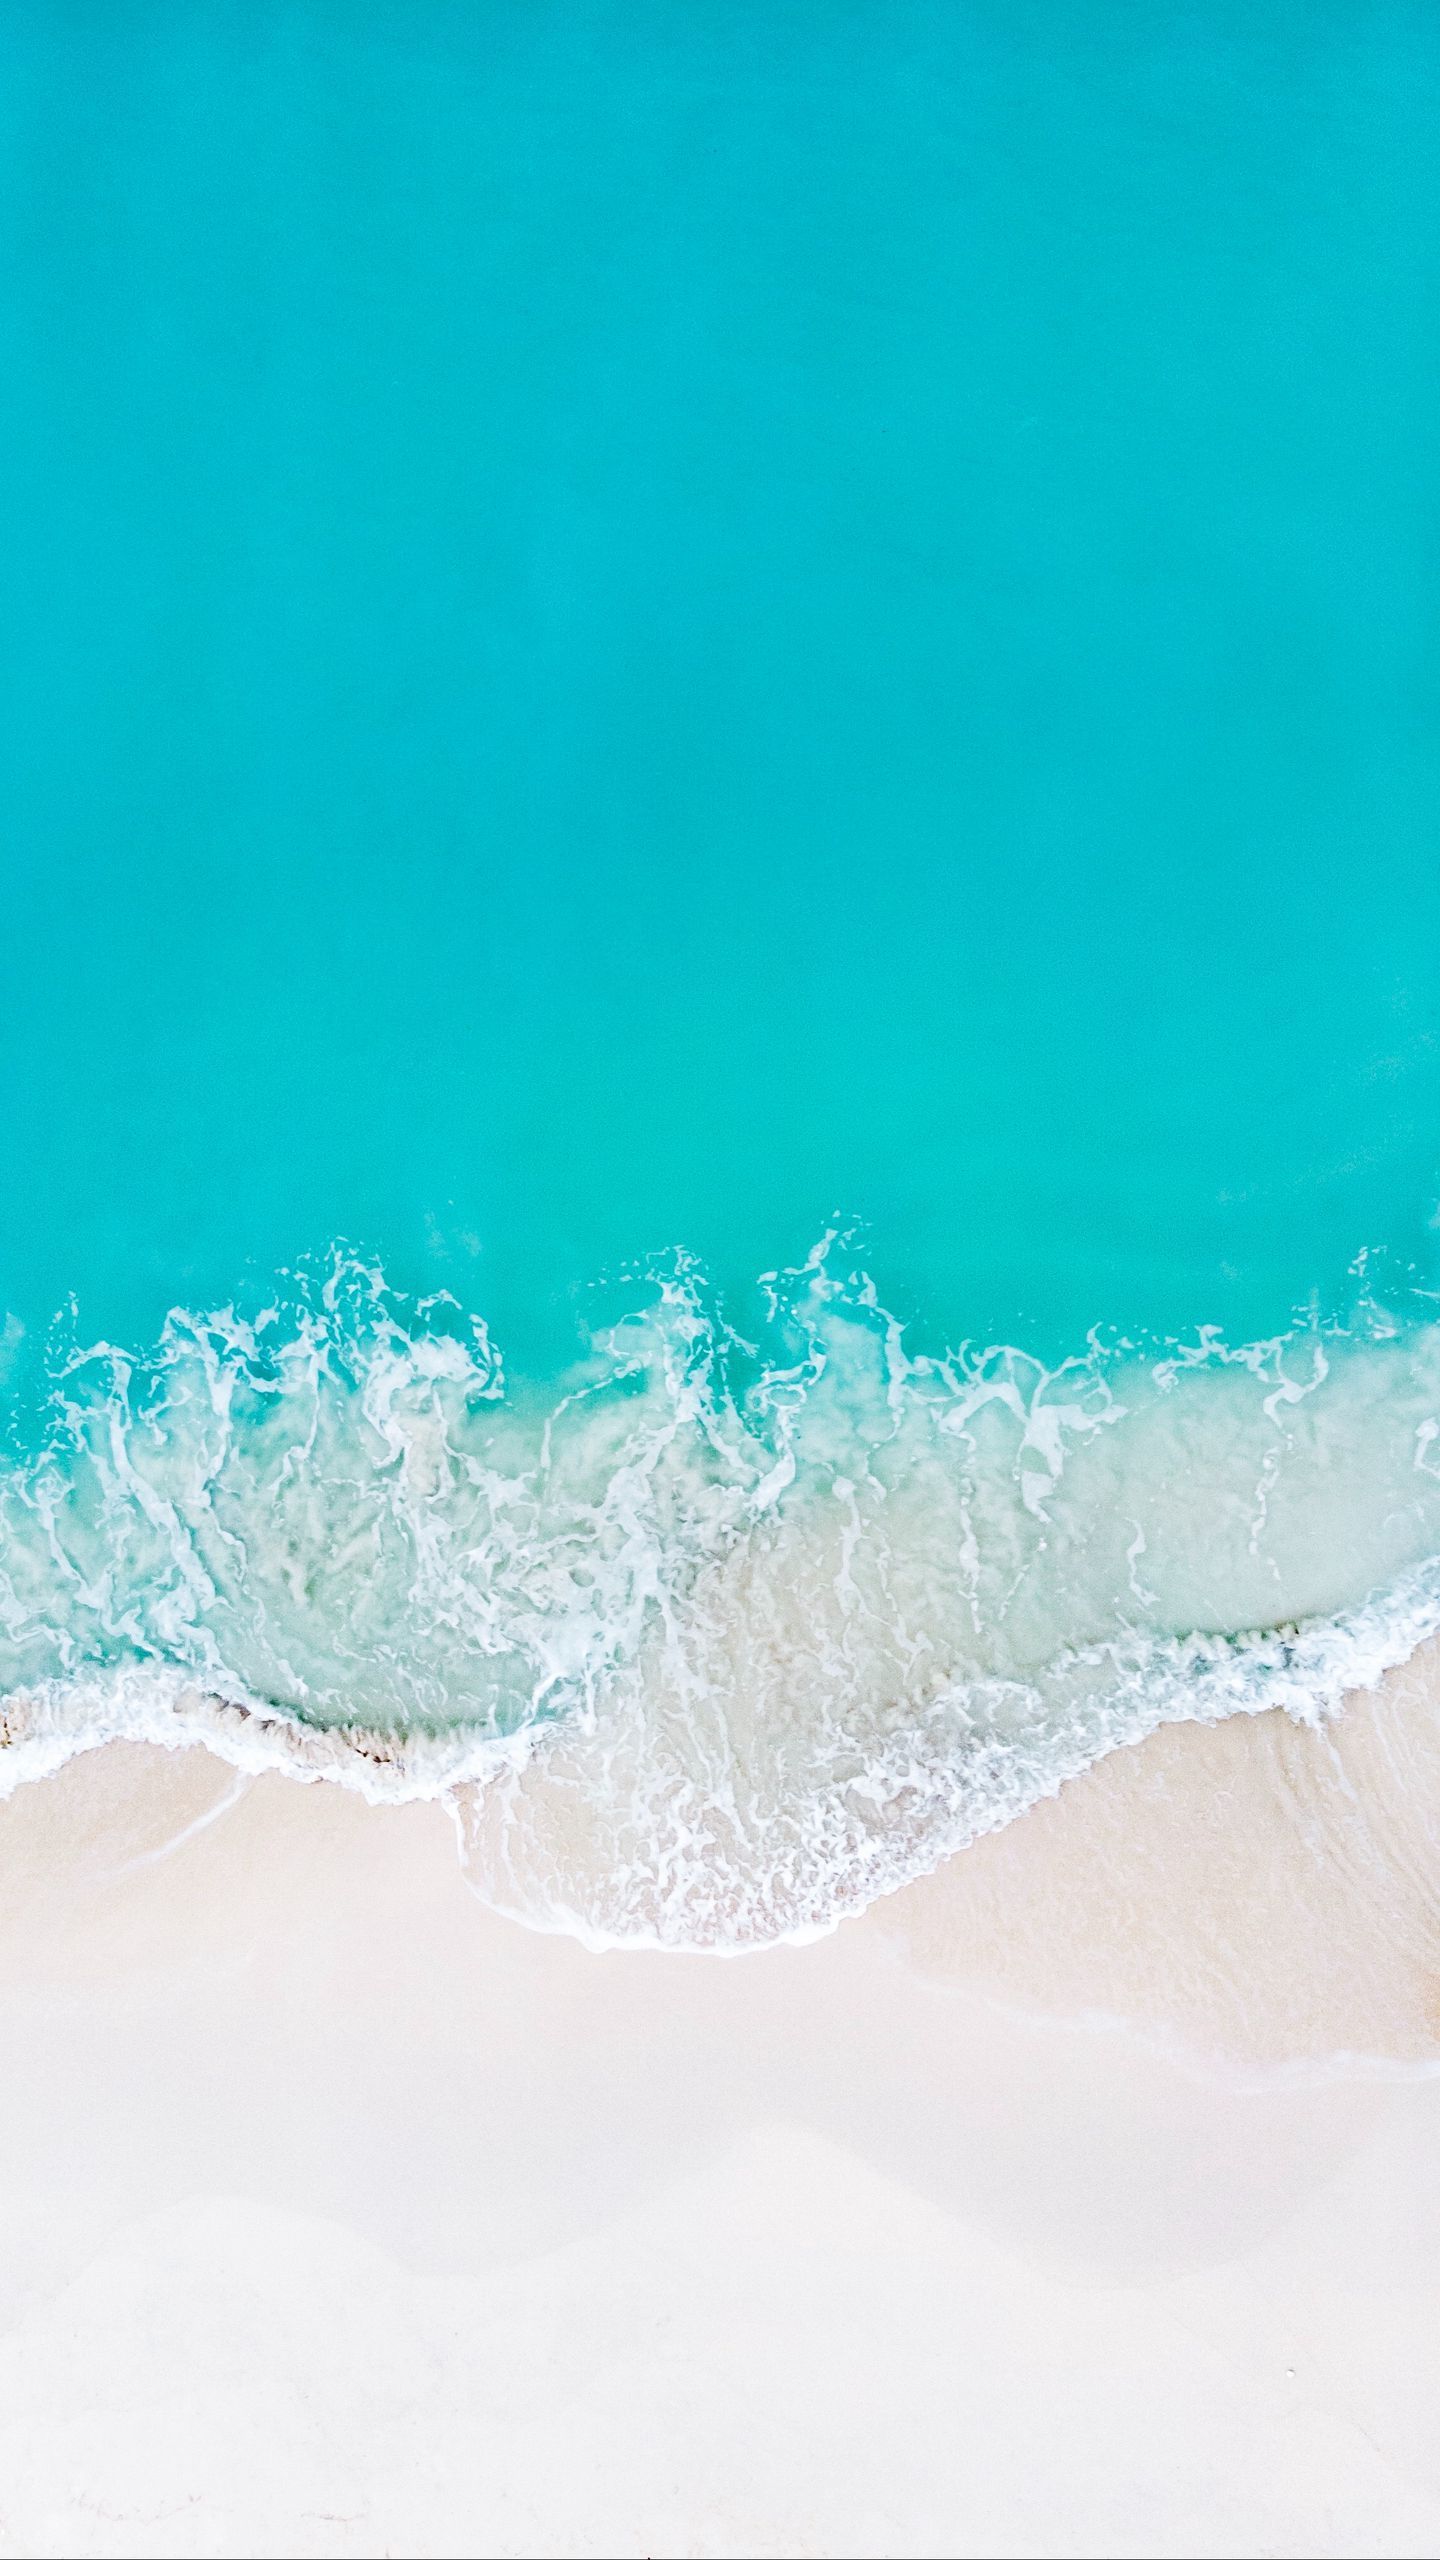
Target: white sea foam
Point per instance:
(709, 1645)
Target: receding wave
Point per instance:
(712, 1641)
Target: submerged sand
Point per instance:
(1032, 2213)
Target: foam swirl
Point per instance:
(710, 1642)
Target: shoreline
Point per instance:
(519, 1803)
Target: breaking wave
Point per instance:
(711, 1641)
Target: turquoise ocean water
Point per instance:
(720, 987)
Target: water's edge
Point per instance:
(715, 1642)
(1304, 1672)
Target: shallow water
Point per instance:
(636, 640)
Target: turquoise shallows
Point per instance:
(631, 626)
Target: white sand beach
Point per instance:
(1029, 2214)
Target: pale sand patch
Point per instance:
(342, 2217)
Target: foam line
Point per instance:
(707, 1643)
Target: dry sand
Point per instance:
(341, 2216)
